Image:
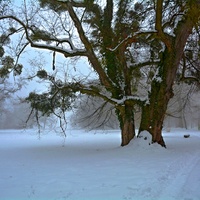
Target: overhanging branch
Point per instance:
(65, 52)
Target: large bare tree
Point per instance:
(129, 46)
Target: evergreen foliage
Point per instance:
(58, 98)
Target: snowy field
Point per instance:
(93, 166)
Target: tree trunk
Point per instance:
(153, 114)
(152, 121)
(162, 86)
(127, 132)
(161, 91)
(126, 118)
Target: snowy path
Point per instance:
(181, 178)
(175, 181)
(93, 166)
(191, 188)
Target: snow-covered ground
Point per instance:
(93, 166)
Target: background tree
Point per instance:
(180, 108)
(8, 69)
(15, 114)
(92, 113)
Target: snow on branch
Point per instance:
(132, 39)
(77, 3)
(67, 53)
(133, 99)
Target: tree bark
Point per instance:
(126, 119)
(153, 114)
(127, 133)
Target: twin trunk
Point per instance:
(153, 114)
(152, 119)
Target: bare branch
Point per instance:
(133, 39)
(65, 52)
(21, 51)
(159, 10)
(78, 4)
(144, 64)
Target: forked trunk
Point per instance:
(153, 114)
(161, 89)
(156, 133)
(153, 124)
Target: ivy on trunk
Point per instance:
(153, 113)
